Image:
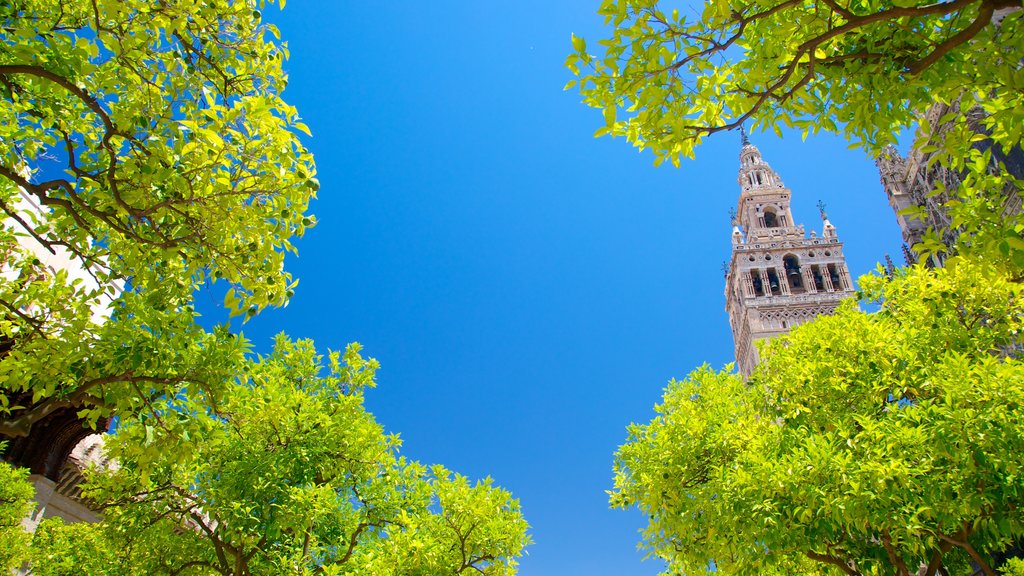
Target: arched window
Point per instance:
(773, 282)
(819, 280)
(833, 275)
(770, 219)
(792, 266)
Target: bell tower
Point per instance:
(778, 276)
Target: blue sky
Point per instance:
(528, 289)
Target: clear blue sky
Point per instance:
(528, 289)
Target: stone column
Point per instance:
(826, 278)
(809, 280)
(844, 276)
(780, 273)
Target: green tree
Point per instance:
(148, 144)
(1014, 567)
(863, 67)
(60, 549)
(288, 474)
(666, 79)
(15, 505)
(864, 443)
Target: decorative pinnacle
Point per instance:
(732, 216)
(725, 268)
(743, 136)
(821, 208)
(890, 268)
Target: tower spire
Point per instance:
(755, 174)
(744, 141)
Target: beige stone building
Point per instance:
(778, 276)
(918, 183)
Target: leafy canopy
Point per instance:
(666, 78)
(288, 474)
(145, 149)
(15, 505)
(863, 443)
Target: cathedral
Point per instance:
(778, 276)
(918, 187)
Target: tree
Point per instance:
(288, 474)
(863, 443)
(15, 506)
(147, 145)
(864, 68)
(60, 549)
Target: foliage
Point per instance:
(982, 199)
(15, 505)
(868, 443)
(144, 151)
(862, 67)
(288, 473)
(1014, 567)
(60, 549)
(666, 79)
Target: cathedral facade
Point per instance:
(778, 276)
(918, 187)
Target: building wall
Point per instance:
(918, 182)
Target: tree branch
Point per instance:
(983, 19)
(833, 560)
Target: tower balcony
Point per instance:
(776, 233)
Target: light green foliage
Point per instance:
(666, 78)
(288, 474)
(869, 443)
(978, 206)
(60, 549)
(1014, 567)
(15, 505)
(154, 139)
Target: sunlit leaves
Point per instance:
(872, 440)
(288, 474)
(15, 504)
(154, 142)
(862, 68)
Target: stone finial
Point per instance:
(744, 141)
(827, 229)
(890, 268)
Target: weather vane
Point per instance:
(821, 208)
(725, 268)
(743, 136)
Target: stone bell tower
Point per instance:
(778, 277)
